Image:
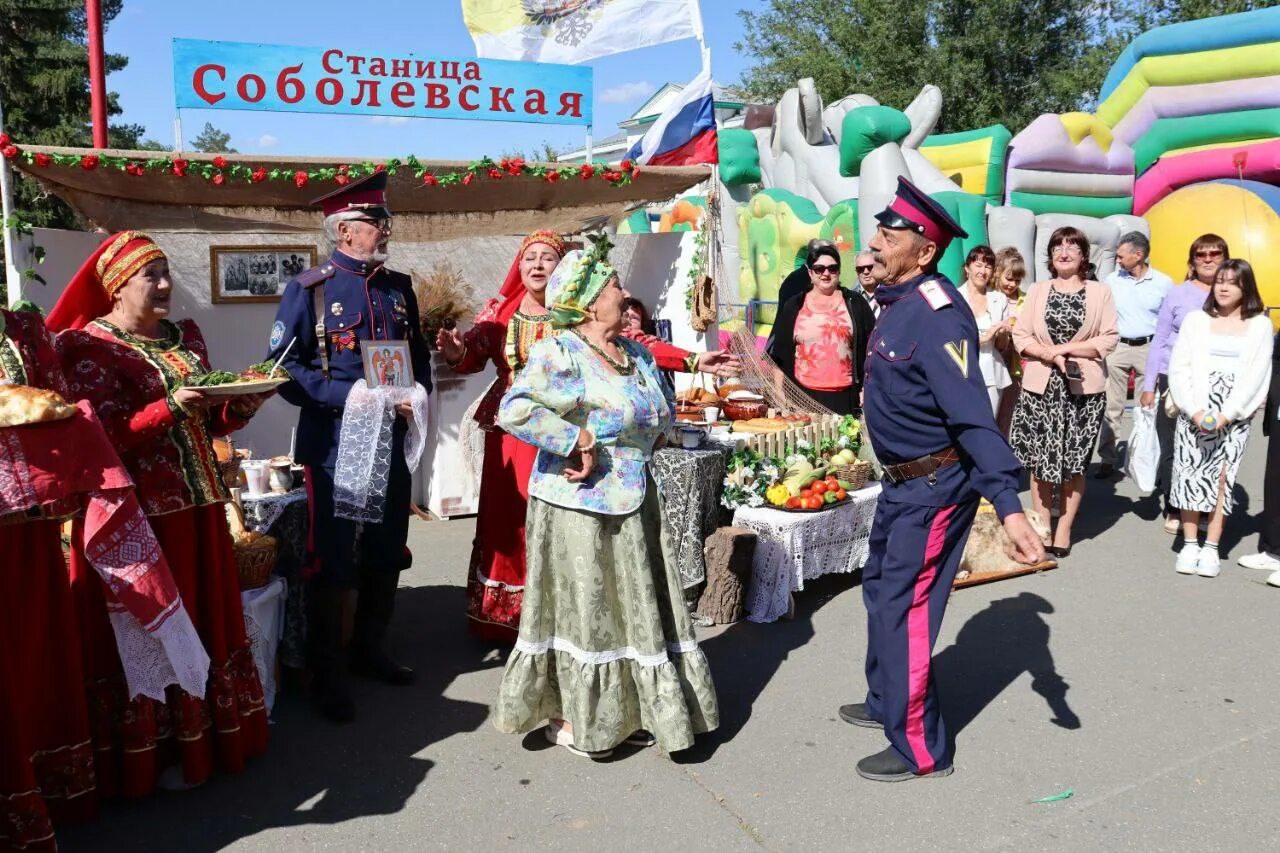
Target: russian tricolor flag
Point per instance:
(685, 133)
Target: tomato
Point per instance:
(841, 494)
(815, 502)
(793, 503)
(832, 483)
(805, 493)
(818, 487)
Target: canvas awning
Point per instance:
(116, 200)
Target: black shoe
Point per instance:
(858, 716)
(1059, 552)
(332, 700)
(379, 665)
(1105, 471)
(889, 766)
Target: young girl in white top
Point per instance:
(991, 311)
(1218, 378)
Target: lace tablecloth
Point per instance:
(286, 518)
(690, 482)
(794, 547)
(264, 611)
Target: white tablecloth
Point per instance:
(793, 547)
(264, 623)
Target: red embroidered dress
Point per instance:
(495, 578)
(130, 380)
(46, 758)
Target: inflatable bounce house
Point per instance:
(1185, 140)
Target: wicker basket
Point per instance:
(857, 474)
(255, 552)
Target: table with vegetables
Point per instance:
(810, 508)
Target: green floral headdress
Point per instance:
(578, 281)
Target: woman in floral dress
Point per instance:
(121, 354)
(503, 333)
(606, 651)
(1065, 331)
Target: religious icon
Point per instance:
(387, 363)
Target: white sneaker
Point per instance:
(1209, 564)
(1188, 559)
(1273, 579)
(1262, 561)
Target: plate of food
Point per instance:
(255, 379)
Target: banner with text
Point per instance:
(224, 75)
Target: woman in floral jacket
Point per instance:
(606, 650)
(504, 332)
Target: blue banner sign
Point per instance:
(224, 75)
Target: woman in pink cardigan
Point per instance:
(1065, 331)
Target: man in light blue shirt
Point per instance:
(1138, 291)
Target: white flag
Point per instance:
(572, 31)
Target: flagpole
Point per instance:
(13, 278)
(587, 158)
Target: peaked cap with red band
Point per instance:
(89, 294)
(367, 195)
(915, 211)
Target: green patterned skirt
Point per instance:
(605, 639)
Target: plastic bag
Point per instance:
(1143, 460)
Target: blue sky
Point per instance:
(144, 28)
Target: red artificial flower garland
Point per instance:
(219, 171)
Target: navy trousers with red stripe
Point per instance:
(915, 552)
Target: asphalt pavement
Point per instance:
(1149, 696)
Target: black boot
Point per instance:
(369, 656)
(858, 716)
(889, 766)
(324, 653)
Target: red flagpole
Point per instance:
(97, 73)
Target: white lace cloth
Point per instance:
(262, 511)
(793, 547)
(264, 625)
(365, 445)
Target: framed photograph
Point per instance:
(255, 273)
(387, 363)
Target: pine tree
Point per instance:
(44, 87)
(213, 141)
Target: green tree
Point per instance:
(995, 60)
(213, 141)
(44, 87)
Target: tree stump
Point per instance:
(729, 552)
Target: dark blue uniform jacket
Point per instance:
(362, 301)
(924, 393)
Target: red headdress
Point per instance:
(513, 289)
(88, 294)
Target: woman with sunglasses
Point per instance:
(820, 337)
(1207, 254)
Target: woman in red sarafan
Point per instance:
(502, 333)
(46, 758)
(121, 354)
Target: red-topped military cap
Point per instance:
(367, 195)
(914, 210)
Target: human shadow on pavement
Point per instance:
(315, 772)
(993, 649)
(745, 657)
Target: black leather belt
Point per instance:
(925, 466)
(1137, 342)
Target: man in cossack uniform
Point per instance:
(930, 421)
(326, 313)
